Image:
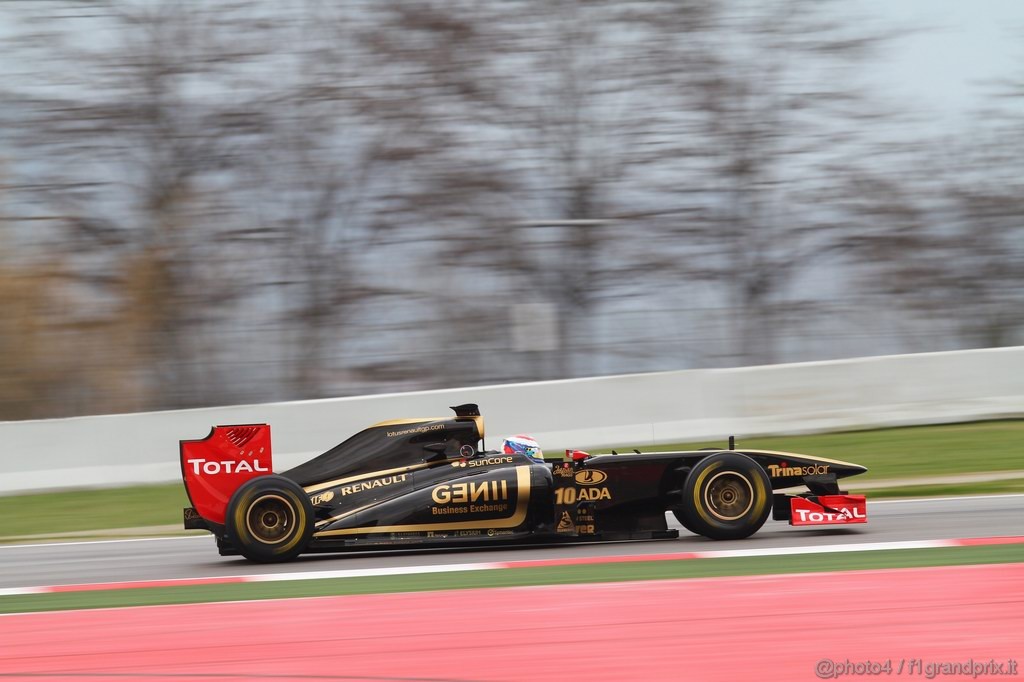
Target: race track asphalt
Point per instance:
(191, 557)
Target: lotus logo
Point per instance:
(321, 498)
(590, 477)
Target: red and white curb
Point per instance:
(492, 565)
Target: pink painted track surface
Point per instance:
(763, 627)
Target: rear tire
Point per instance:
(726, 496)
(269, 519)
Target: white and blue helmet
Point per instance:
(522, 445)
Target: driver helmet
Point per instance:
(523, 445)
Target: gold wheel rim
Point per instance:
(270, 519)
(728, 496)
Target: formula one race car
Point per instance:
(428, 482)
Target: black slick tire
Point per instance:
(726, 496)
(269, 519)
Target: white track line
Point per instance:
(18, 591)
(942, 499)
(827, 549)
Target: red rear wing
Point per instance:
(213, 468)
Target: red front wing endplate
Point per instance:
(827, 510)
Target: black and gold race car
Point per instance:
(428, 482)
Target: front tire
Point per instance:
(726, 496)
(269, 519)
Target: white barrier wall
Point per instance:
(636, 409)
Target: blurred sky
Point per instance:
(951, 54)
(952, 57)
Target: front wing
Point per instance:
(820, 510)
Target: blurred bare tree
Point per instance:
(315, 185)
(779, 120)
(549, 106)
(38, 362)
(944, 240)
(135, 146)
(303, 198)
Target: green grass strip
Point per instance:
(904, 452)
(514, 577)
(1014, 485)
(81, 510)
